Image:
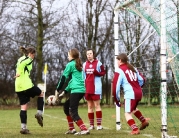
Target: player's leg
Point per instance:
(40, 105)
(23, 117)
(143, 120)
(35, 91)
(129, 106)
(74, 103)
(90, 104)
(23, 99)
(96, 100)
(71, 129)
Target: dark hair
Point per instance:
(75, 55)
(28, 50)
(94, 53)
(123, 57)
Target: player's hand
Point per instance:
(96, 73)
(62, 94)
(17, 75)
(118, 104)
(56, 95)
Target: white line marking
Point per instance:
(66, 120)
(146, 135)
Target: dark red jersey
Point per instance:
(93, 72)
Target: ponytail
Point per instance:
(28, 50)
(123, 57)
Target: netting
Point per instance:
(149, 64)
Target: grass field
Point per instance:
(55, 124)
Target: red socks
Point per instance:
(98, 117)
(91, 118)
(70, 123)
(81, 125)
(139, 115)
(132, 124)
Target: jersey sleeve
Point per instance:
(22, 63)
(64, 77)
(67, 89)
(141, 79)
(84, 74)
(116, 86)
(100, 71)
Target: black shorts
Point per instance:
(24, 96)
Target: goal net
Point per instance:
(146, 56)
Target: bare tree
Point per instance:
(92, 27)
(36, 24)
(6, 62)
(3, 6)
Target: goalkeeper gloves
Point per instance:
(62, 94)
(56, 95)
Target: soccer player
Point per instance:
(26, 89)
(76, 87)
(131, 81)
(93, 69)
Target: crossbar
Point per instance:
(125, 4)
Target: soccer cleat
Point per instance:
(73, 131)
(91, 127)
(135, 132)
(39, 119)
(99, 128)
(144, 125)
(83, 132)
(24, 131)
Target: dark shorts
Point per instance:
(92, 97)
(24, 96)
(130, 104)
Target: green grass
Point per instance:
(55, 124)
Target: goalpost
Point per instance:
(167, 48)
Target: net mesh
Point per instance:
(150, 11)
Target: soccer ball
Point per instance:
(51, 100)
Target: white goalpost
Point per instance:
(163, 62)
(116, 41)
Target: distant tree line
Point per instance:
(53, 28)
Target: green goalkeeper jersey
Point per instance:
(76, 83)
(23, 68)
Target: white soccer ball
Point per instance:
(51, 100)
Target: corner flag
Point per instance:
(45, 68)
(45, 83)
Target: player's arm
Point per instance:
(141, 79)
(64, 77)
(21, 65)
(116, 87)
(84, 73)
(100, 71)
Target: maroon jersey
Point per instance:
(93, 72)
(136, 80)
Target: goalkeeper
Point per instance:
(131, 81)
(76, 86)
